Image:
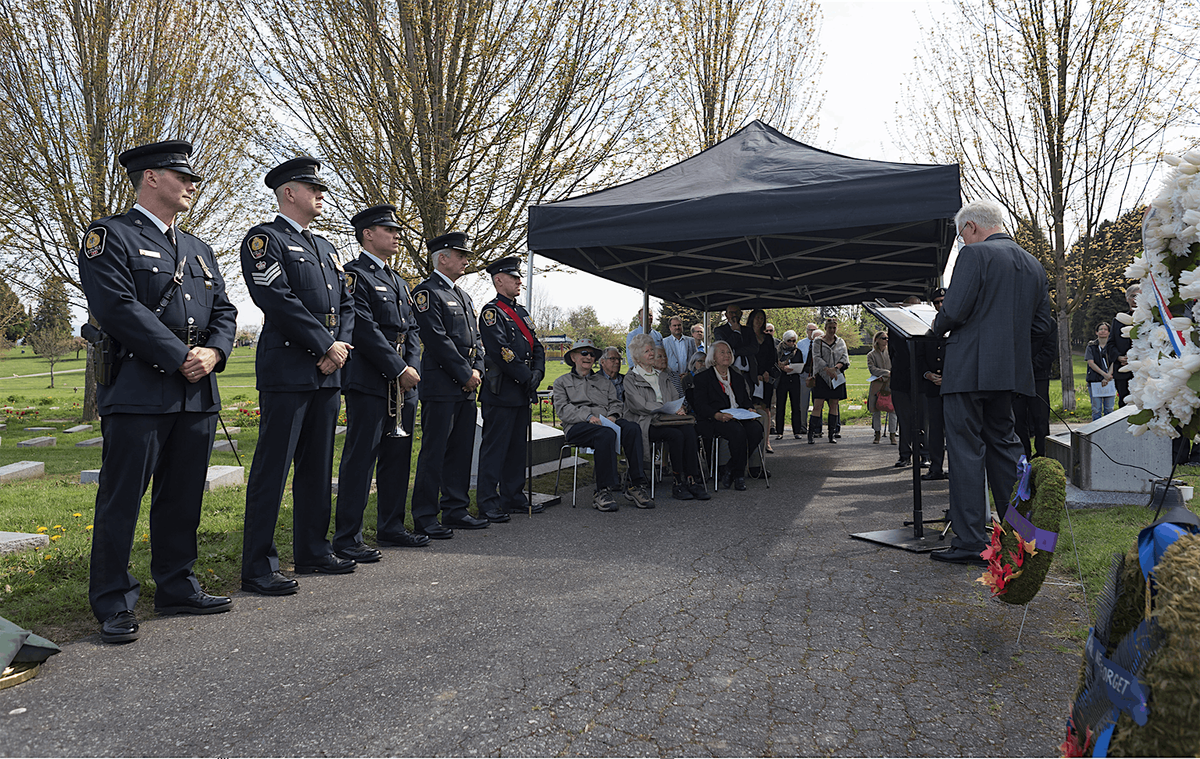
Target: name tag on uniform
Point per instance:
(296, 247)
(150, 253)
(380, 287)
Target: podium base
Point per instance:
(903, 538)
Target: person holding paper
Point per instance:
(719, 390)
(1101, 387)
(829, 364)
(653, 401)
(791, 385)
(591, 416)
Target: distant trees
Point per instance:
(13, 319)
(1048, 106)
(50, 331)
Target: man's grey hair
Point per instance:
(711, 358)
(612, 349)
(637, 345)
(985, 214)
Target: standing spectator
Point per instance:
(906, 401)
(660, 364)
(698, 336)
(295, 278)
(718, 387)
(1121, 346)
(763, 369)
(643, 320)
(805, 346)
(738, 337)
(930, 360)
(1032, 413)
(610, 369)
(996, 302)
(679, 347)
(1099, 357)
(830, 362)
(879, 364)
(159, 414)
(789, 385)
(647, 387)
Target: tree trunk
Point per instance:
(1065, 365)
(89, 387)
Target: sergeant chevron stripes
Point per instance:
(265, 278)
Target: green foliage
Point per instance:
(53, 315)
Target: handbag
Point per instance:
(810, 381)
(672, 420)
(884, 403)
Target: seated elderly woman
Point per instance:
(583, 399)
(719, 387)
(647, 388)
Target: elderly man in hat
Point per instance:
(159, 297)
(514, 364)
(380, 386)
(296, 279)
(451, 371)
(591, 415)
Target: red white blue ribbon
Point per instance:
(1175, 336)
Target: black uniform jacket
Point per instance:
(508, 355)
(931, 355)
(451, 339)
(303, 296)
(383, 317)
(124, 267)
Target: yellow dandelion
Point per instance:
(57, 527)
(77, 514)
(88, 527)
(42, 529)
(47, 557)
(55, 537)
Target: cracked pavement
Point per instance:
(748, 625)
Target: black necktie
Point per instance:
(171, 237)
(308, 238)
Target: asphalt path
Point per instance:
(748, 625)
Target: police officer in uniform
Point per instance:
(514, 364)
(295, 278)
(451, 371)
(157, 292)
(386, 350)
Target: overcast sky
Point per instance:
(869, 48)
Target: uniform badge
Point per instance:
(260, 265)
(204, 267)
(422, 300)
(507, 355)
(94, 244)
(350, 282)
(337, 263)
(258, 246)
(489, 317)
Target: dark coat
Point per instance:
(930, 358)
(450, 336)
(1045, 352)
(301, 290)
(708, 397)
(383, 318)
(509, 359)
(996, 302)
(125, 265)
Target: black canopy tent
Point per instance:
(761, 219)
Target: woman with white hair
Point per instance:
(789, 386)
(717, 388)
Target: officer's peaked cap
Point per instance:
(510, 265)
(376, 216)
(454, 240)
(172, 154)
(302, 169)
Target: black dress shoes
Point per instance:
(739, 483)
(119, 628)
(496, 515)
(198, 603)
(361, 553)
(537, 509)
(959, 556)
(404, 540)
(327, 565)
(935, 474)
(274, 584)
(436, 531)
(467, 522)
(727, 480)
(902, 463)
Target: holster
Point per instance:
(107, 351)
(492, 375)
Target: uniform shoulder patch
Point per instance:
(507, 355)
(421, 299)
(350, 282)
(489, 317)
(257, 245)
(93, 244)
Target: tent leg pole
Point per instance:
(645, 306)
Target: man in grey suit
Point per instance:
(997, 300)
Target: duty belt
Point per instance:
(193, 336)
(468, 352)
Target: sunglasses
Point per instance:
(589, 354)
(790, 340)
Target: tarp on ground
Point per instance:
(762, 220)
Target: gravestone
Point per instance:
(38, 442)
(40, 429)
(89, 476)
(224, 477)
(547, 442)
(78, 428)
(22, 470)
(225, 445)
(340, 430)
(1123, 468)
(12, 542)
(89, 443)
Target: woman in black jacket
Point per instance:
(719, 387)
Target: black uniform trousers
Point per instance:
(789, 387)
(294, 427)
(980, 438)
(935, 432)
(603, 441)
(368, 449)
(174, 449)
(444, 464)
(910, 414)
(1031, 415)
(502, 454)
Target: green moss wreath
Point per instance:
(1016, 567)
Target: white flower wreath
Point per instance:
(1165, 355)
